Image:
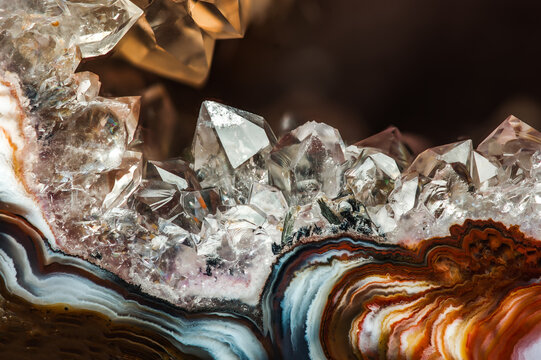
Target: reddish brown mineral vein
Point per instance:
(484, 274)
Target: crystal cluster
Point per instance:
(43, 41)
(176, 38)
(202, 231)
(286, 248)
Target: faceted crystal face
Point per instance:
(512, 144)
(54, 30)
(372, 177)
(221, 18)
(230, 147)
(98, 37)
(308, 161)
(175, 172)
(240, 134)
(176, 38)
(390, 143)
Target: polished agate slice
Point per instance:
(57, 306)
(253, 247)
(471, 295)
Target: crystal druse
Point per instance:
(257, 247)
(175, 38)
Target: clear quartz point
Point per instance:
(176, 38)
(88, 86)
(458, 154)
(390, 142)
(436, 181)
(512, 144)
(93, 35)
(308, 161)
(230, 149)
(371, 178)
(173, 171)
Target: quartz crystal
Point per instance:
(230, 149)
(390, 143)
(307, 161)
(43, 35)
(176, 38)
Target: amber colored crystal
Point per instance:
(175, 38)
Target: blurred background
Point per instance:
(439, 71)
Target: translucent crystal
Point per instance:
(47, 43)
(458, 154)
(168, 257)
(176, 37)
(173, 171)
(123, 181)
(93, 35)
(229, 149)
(239, 134)
(199, 204)
(269, 199)
(85, 132)
(483, 170)
(305, 220)
(434, 181)
(308, 161)
(403, 198)
(88, 86)
(390, 142)
(245, 213)
(159, 198)
(512, 144)
(220, 18)
(234, 239)
(372, 177)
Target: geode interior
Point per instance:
(256, 247)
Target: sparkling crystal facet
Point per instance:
(173, 171)
(308, 161)
(372, 177)
(229, 148)
(176, 37)
(512, 144)
(390, 142)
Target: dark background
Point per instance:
(438, 70)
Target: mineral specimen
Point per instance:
(258, 248)
(470, 295)
(176, 38)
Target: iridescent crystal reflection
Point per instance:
(176, 38)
